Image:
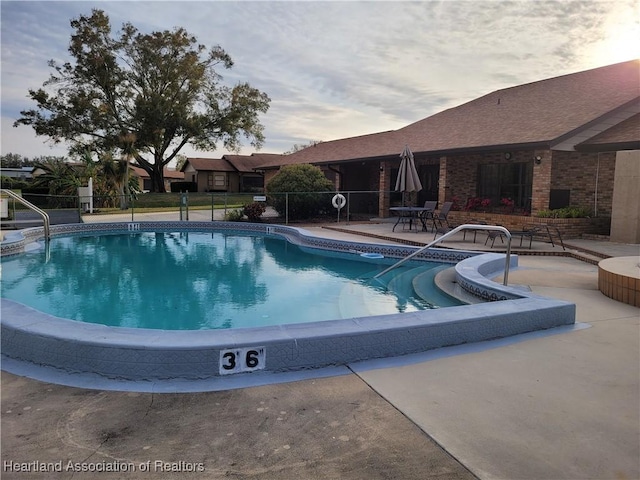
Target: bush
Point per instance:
(184, 187)
(13, 183)
(308, 184)
(254, 211)
(566, 212)
(234, 215)
(477, 204)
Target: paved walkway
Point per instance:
(549, 405)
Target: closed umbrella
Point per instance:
(408, 179)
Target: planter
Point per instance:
(568, 227)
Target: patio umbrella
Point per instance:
(408, 179)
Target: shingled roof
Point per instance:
(248, 163)
(209, 164)
(232, 163)
(538, 114)
(623, 136)
(167, 173)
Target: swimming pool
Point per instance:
(210, 280)
(35, 337)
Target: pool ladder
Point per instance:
(31, 206)
(450, 234)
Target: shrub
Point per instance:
(234, 215)
(566, 212)
(477, 203)
(307, 183)
(184, 187)
(254, 211)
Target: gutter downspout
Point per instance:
(595, 200)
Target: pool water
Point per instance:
(193, 281)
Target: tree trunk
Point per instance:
(157, 179)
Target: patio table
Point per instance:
(410, 215)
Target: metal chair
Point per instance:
(427, 214)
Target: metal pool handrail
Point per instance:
(453, 232)
(31, 206)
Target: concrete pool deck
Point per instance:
(553, 406)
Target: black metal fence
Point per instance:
(279, 208)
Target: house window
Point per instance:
(220, 180)
(217, 181)
(506, 180)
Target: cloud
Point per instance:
(337, 69)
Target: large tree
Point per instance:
(162, 89)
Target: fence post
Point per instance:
(348, 206)
(184, 202)
(286, 208)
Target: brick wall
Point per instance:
(459, 174)
(384, 186)
(542, 173)
(574, 171)
(569, 227)
(578, 172)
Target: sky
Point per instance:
(336, 69)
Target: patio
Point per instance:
(557, 404)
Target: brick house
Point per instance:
(572, 140)
(231, 173)
(144, 180)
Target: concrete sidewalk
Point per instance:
(550, 405)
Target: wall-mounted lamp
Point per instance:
(538, 159)
(382, 168)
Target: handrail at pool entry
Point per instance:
(31, 206)
(453, 232)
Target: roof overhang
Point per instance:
(449, 152)
(570, 140)
(608, 147)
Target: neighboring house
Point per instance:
(19, 173)
(569, 140)
(231, 173)
(144, 180)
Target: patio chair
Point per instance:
(492, 235)
(539, 230)
(443, 214)
(473, 221)
(427, 214)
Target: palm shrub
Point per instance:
(308, 189)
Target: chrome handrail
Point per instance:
(453, 232)
(31, 206)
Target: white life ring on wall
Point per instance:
(338, 201)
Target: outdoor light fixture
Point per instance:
(538, 159)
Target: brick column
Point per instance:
(443, 188)
(541, 188)
(384, 188)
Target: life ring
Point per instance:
(338, 201)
